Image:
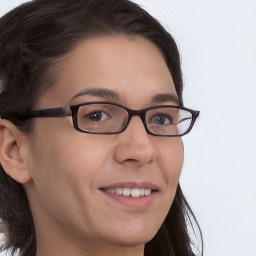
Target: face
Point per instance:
(70, 171)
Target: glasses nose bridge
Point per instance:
(140, 113)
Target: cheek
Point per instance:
(67, 161)
(65, 171)
(170, 161)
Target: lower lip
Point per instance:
(139, 203)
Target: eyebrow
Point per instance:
(116, 96)
(101, 92)
(165, 97)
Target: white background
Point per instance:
(217, 40)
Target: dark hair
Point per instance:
(33, 38)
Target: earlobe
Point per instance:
(13, 152)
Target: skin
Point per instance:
(62, 169)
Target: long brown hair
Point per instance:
(33, 37)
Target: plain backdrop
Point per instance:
(217, 41)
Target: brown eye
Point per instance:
(97, 116)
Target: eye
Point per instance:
(161, 119)
(97, 116)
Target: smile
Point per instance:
(129, 192)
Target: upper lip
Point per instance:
(132, 184)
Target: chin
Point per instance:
(132, 239)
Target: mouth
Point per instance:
(132, 195)
(129, 192)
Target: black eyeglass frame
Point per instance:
(73, 111)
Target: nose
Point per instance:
(134, 144)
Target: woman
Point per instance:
(92, 119)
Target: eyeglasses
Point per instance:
(110, 118)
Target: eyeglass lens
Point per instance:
(107, 118)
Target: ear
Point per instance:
(13, 152)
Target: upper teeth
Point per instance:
(134, 192)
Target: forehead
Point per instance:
(132, 66)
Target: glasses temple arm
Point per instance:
(53, 112)
(184, 119)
